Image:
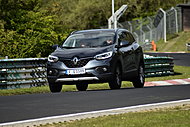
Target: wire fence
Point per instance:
(154, 28)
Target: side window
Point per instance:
(126, 38)
(131, 38)
(122, 37)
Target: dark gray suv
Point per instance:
(96, 56)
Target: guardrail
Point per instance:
(158, 66)
(31, 72)
(22, 73)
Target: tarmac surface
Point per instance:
(23, 107)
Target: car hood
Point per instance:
(80, 52)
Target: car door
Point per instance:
(136, 51)
(127, 51)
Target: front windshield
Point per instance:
(88, 40)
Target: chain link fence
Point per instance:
(154, 28)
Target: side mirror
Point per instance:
(55, 46)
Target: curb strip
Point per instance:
(168, 82)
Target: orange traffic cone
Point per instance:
(153, 45)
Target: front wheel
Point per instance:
(139, 81)
(82, 86)
(115, 83)
(55, 87)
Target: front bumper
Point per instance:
(76, 79)
(95, 71)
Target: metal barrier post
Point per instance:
(164, 23)
(131, 28)
(176, 21)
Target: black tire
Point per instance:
(55, 87)
(117, 79)
(139, 81)
(82, 86)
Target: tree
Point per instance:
(27, 33)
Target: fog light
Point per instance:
(53, 72)
(101, 70)
(105, 69)
(50, 72)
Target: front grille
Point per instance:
(80, 63)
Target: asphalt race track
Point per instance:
(24, 107)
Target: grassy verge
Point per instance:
(181, 72)
(167, 117)
(175, 44)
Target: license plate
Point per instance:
(75, 71)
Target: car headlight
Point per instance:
(103, 55)
(52, 58)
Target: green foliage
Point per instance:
(89, 14)
(28, 28)
(27, 33)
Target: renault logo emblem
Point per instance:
(75, 60)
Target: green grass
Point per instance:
(176, 43)
(181, 72)
(167, 117)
